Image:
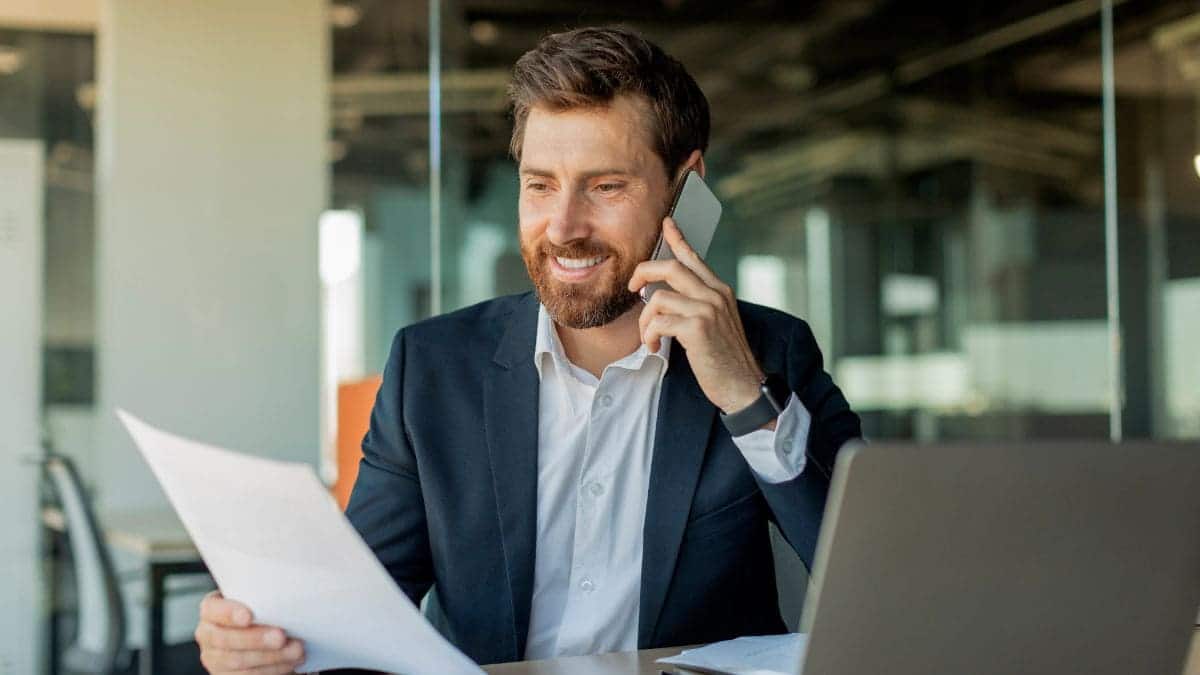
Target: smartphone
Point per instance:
(697, 211)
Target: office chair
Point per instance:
(99, 646)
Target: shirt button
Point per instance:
(586, 585)
(595, 489)
(606, 400)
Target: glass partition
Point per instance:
(379, 149)
(1157, 77)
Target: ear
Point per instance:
(695, 161)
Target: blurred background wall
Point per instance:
(210, 176)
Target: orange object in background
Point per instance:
(355, 400)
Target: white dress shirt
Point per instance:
(595, 443)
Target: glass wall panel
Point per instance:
(47, 94)
(379, 223)
(45, 98)
(379, 148)
(1157, 75)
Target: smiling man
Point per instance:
(572, 471)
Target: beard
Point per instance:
(589, 304)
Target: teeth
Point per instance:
(577, 263)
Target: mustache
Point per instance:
(579, 249)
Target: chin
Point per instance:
(586, 312)
(588, 303)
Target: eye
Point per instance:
(536, 187)
(609, 188)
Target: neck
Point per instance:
(594, 348)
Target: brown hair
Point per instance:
(589, 67)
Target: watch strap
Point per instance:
(774, 395)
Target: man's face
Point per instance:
(593, 195)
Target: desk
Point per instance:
(155, 537)
(642, 663)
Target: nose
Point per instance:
(568, 219)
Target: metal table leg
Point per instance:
(151, 660)
(54, 599)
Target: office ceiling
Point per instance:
(800, 91)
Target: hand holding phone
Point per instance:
(696, 210)
(700, 312)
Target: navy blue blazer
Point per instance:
(446, 494)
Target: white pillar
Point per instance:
(21, 192)
(211, 175)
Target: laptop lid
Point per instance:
(1032, 558)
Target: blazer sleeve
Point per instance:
(798, 505)
(386, 506)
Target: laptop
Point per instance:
(1032, 558)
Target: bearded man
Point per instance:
(572, 471)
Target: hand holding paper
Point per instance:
(274, 539)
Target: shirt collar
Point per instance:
(548, 345)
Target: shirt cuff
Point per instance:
(778, 454)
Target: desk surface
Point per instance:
(642, 663)
(149, 533)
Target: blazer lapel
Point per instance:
(511, 423)
(685, 419)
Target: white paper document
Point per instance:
(757, 655)
(274, 539)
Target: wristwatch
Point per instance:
(774, 396)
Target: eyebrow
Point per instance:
(534, 171)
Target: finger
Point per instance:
(648, 314)
(247, 660)
(656, 329)
(677, 303)
(270, 670)
(256, 637)
(220, 610)
(692, 259)
(283, 669)
(666, 301)
(685, 253)
(675, 273)
(681, 328)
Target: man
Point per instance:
(572, 471)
